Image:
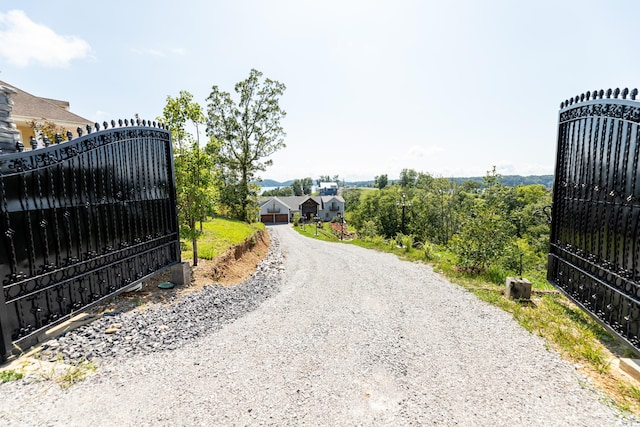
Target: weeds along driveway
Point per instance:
(353, 337)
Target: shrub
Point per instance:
(368, 230)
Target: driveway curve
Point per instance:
(353, 337)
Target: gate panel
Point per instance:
(595, 241)
(79, 222)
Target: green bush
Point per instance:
(367, 230)
(379, 240)
(427, 248)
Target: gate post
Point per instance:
(9, 136)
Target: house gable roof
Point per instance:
(295, 202)
(326, 199)
(33, 107)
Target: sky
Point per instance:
(450, 88)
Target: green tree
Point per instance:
(296, 186)
(381, 181)
(177, 112)
(194, 191)
(307, 185)
(248, 132)
(408, 178)
(485, 234)
(482, 238)
(195, 187)
(302, 186)
(351, 198)
(280, 191)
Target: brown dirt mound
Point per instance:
(231, 268)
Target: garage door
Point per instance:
(282, 218)
(267, 219)
(274, 218)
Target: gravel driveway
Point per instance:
(349, 337)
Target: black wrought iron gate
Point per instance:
(595, 237)
(81, 221)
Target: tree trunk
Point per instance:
(194, 242)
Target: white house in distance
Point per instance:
(328, 188)
(280, 210)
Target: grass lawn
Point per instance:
(219, 234)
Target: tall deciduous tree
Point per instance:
(381, 181)
(302, 187)
(296, 186)
(178, 112)
(194, 190)
(247, 132)
(194, 177)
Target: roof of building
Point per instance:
(294, 202)
(34, 107)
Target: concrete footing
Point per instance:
(518, 288)
(181, 274)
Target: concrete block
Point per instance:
(518, 288)
(181, 274)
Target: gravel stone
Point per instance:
(321, 334)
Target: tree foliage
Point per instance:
(279, 191)
(381, 181)
(327, 178)
(195, 180)
(302, 187)
(248, 132)
(46, 128)
(178, 112)
(408, 178)
(194, 190)
(486, 225)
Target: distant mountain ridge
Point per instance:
(508, 180)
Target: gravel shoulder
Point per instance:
(322, 334)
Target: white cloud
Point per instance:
(23, 42)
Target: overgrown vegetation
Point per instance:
(488, 228)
